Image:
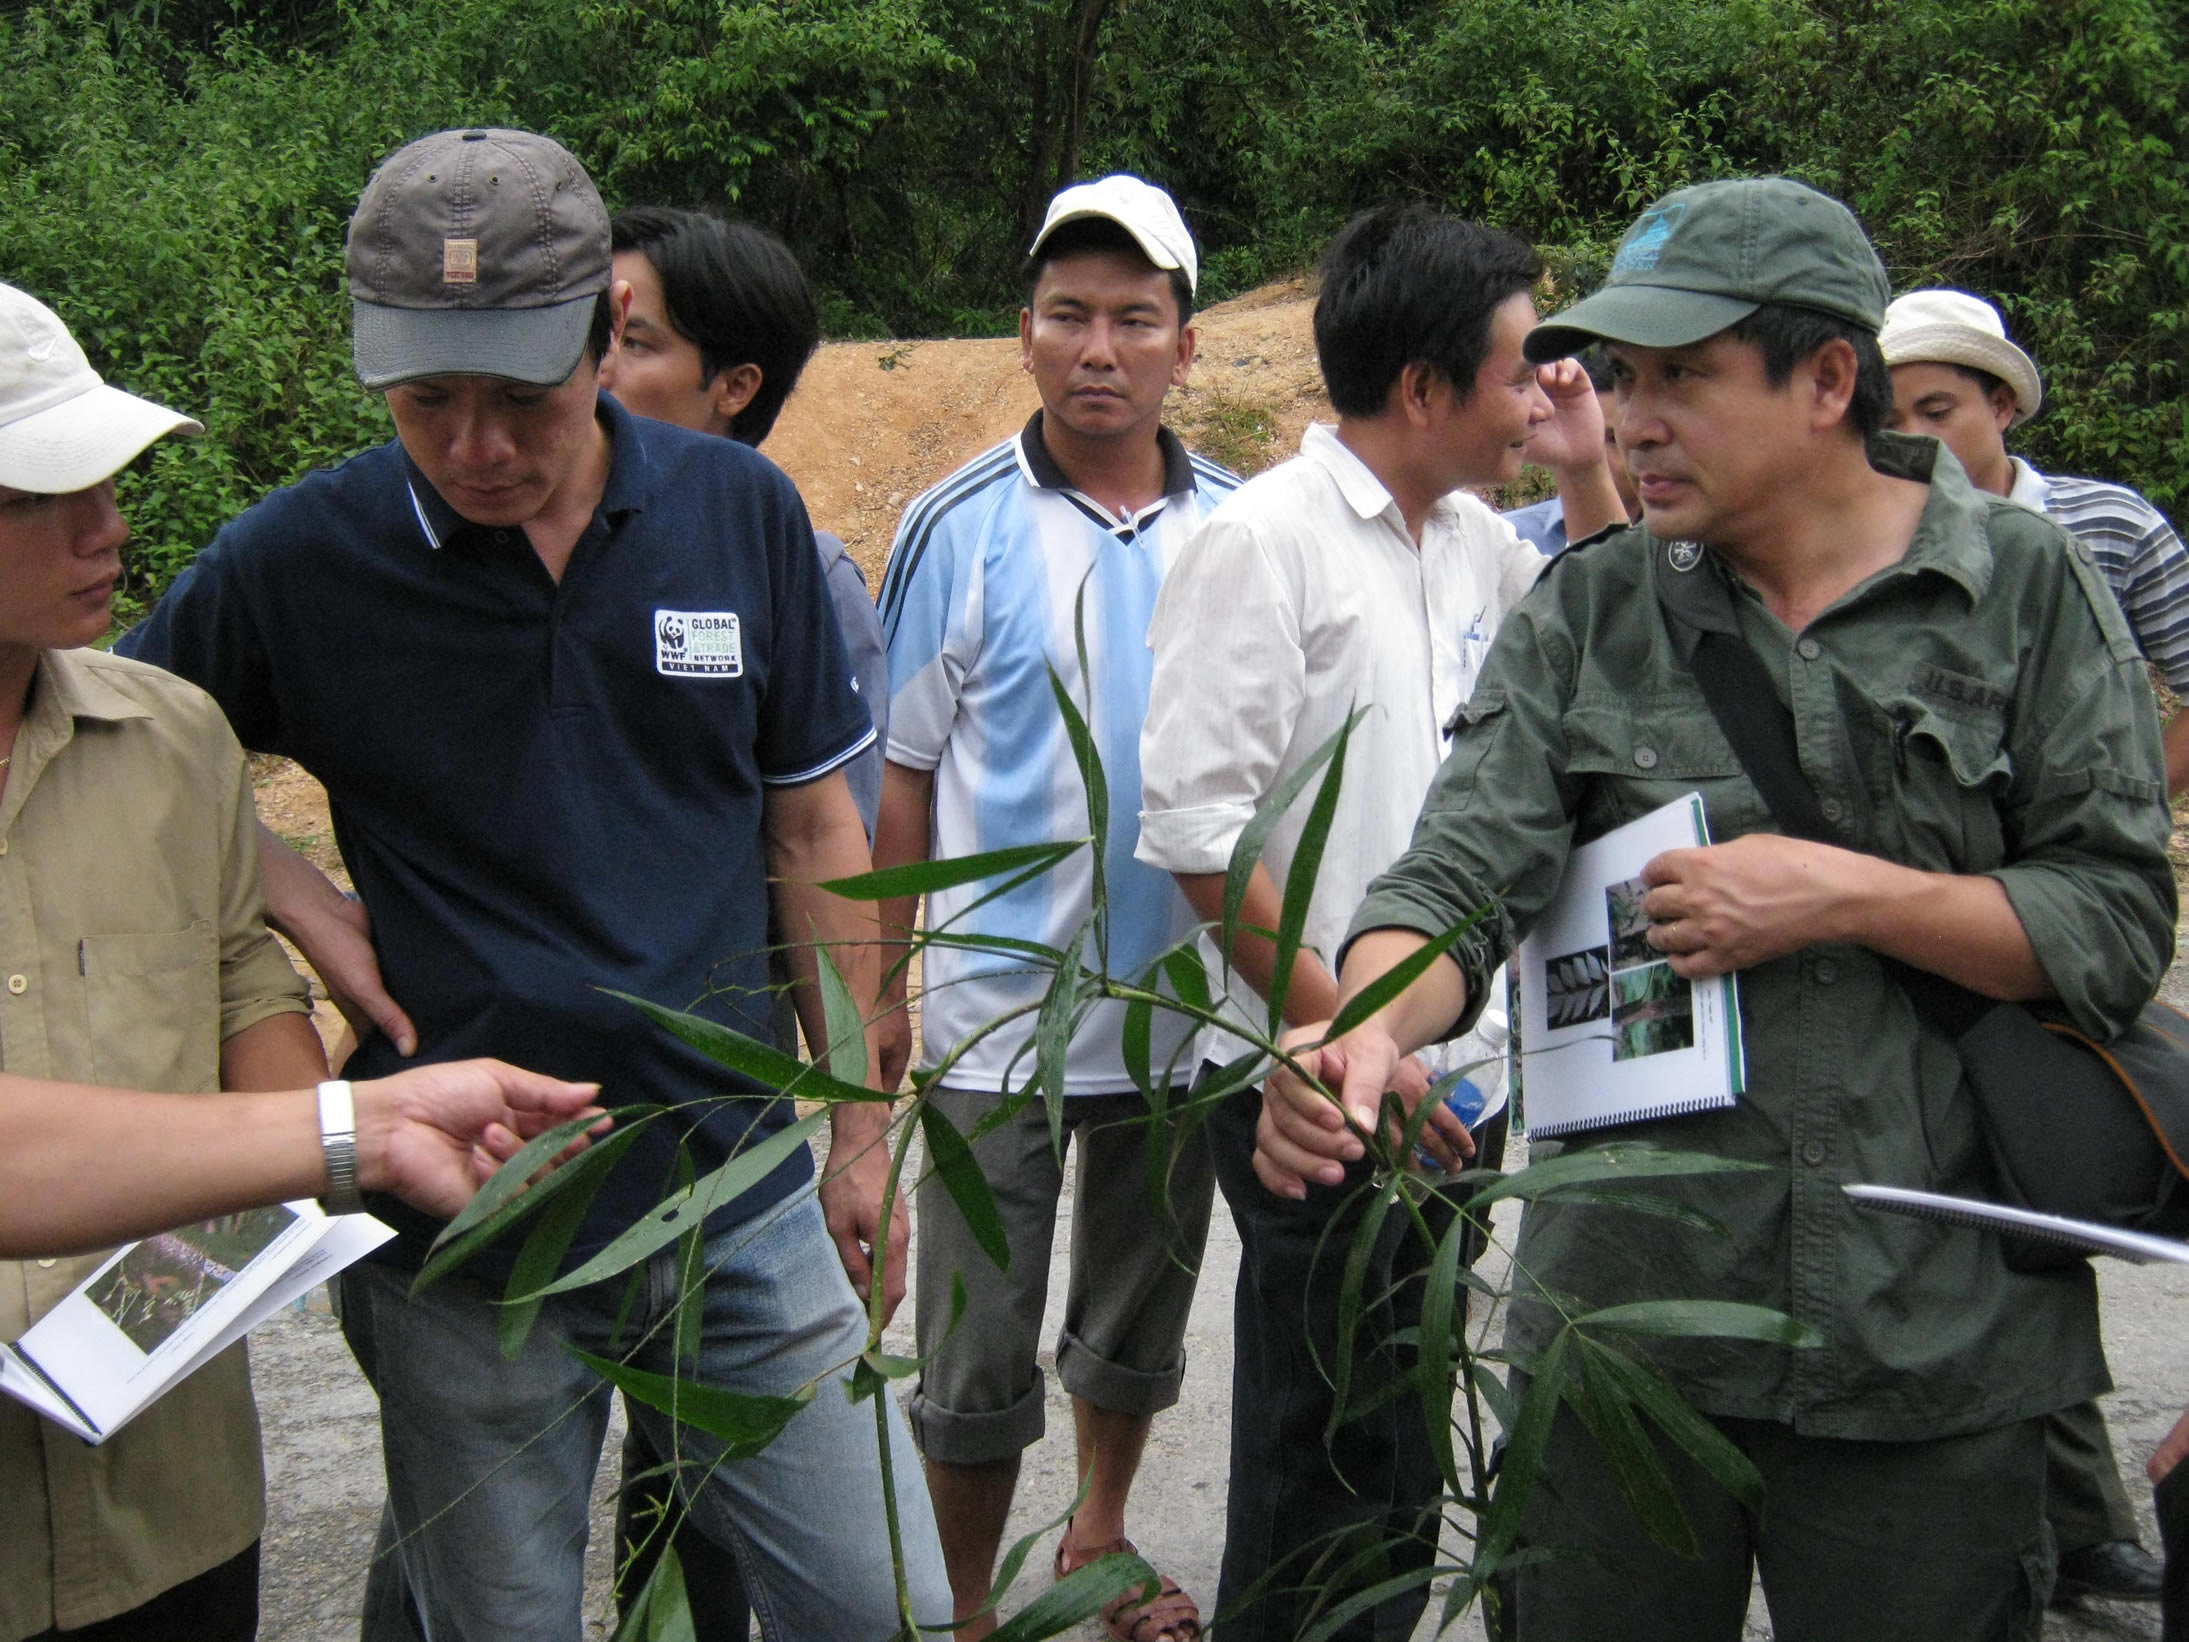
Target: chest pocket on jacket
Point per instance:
(1636, 756)
(1950, 775)
(152, 1008)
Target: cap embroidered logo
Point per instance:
(459, 262)
(40, 337)
(1647, 241)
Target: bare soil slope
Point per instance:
(875, 423)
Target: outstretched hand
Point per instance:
(433, 1135)
(1304, 1138)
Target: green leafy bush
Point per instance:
(176, 178)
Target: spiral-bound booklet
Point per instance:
(1609, 1033)
(159, 1310)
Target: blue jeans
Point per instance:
(490, 1463)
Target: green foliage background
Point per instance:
(175, 174)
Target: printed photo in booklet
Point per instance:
(1610, 1033)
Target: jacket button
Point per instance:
(1813, 1153)
(1809, 649)
(18, 984)
(1645, 758)
(1832, 809)
(1826, 972)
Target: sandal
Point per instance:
(1173, 1614)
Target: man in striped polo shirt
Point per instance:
(1957, 378)
(1069, 527)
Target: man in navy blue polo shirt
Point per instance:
(575, 689)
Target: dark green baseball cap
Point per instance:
(1706, 257)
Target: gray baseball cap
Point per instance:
(1707, 257)
(476, 253)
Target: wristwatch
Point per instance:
(338, 1141)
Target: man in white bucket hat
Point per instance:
(1959, 379)
(130, 910)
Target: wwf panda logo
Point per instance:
(671, 632)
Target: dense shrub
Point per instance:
(176, 178)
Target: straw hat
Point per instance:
(1955, 328)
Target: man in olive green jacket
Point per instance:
(1972, 711)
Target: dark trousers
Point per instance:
(1937, 1541)
(2084, 1499)
(220, 1605)
(1300, 1506)
(647, 1510)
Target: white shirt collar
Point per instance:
(2031, 488)
(1357, 483)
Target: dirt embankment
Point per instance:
(875, 423)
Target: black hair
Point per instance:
(1090, 234)
(1989, 383)
(736, 293)
(1788, 335)
(1404, 285)
(1597, 364)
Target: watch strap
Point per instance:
(338, 1143)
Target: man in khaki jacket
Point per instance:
(133, 952)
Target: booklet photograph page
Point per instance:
(1608, 1032)
(162, 1308)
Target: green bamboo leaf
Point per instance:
(536, 1263)
(845, 1053)
(1351, 1281)
(999, 946)
(1371, 1597)
(1526, 1439)
(1189, 977)
(1490, 1387)
(1632, 1459)
(1705, 1319)
(1307, 861)
(745, 1425)
(662, 1610)
(1655, 1204)
(1246, 851)
(1620, 1161)
(1689, 1430)
(508, 1181)
(926, 877)
(1136, 1040)
(1434, 1354)
(762, 1062)
(1079, 1596)
(1053, 1041)
(1396, 979)
(951, 1158)
(669, 1614)
(580, 1178)
(1091, 778)
(674, 1215)
(1014, 1559)
(691, 1305)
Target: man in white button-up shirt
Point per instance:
(1357, 575)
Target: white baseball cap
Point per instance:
(61, 428)
(1940, 327)
(1135, 205)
